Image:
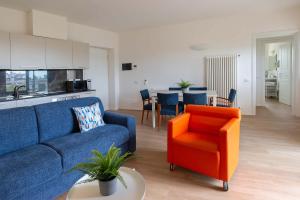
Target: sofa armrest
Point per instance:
(125, 120)
(229, 148)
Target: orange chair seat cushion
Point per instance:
(201, 141)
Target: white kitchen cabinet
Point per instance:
(58, 54)
(81, 55)
(4, 50)
(27, 52)
(7, 104)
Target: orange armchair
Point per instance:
(206, 140)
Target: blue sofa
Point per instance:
(40, 144)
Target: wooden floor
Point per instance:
(269, 166)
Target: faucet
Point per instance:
(16, 93)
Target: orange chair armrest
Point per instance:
(178, 125)
(229, 148)
(230, 125)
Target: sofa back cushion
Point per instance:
(58, 119)
(18, 129)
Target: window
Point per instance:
(14, 78)
(36, 81)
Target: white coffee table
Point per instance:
(90, 191)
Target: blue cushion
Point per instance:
(175, 88)
(77, 147)
(197, 88)
(193, 98)
(27, 168)
(167, 98)
(171, 110)
(59, 185)
(18, 129)
(58, 119)
(222, 105)
(145, 94)
(126, 121)
(232, 95)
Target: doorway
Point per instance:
(278, 68)
(274, 67)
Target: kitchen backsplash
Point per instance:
(37, 81)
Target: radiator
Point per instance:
(221, 74)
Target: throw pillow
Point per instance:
(89, 117)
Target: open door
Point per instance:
(284, 75)
(296, 77)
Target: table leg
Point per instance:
(214, 101)
(153, 111)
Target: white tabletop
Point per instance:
(208, 92)
(153, 93)
(90, 191)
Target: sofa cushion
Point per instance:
(77, 147)
(58, 119)
(18, 129)
(27, 168)
(88, 117)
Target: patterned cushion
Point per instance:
(89, 117)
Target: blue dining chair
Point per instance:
(227, 102)
(193, 98)
(175, 88)
(197, 88)
(168, 104)
(147, 105)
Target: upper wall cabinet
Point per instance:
(81, 55)
(58, 54)
(4, 51)
(27, 52)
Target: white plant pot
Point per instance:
(185, 90)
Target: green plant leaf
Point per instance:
(122, 181)
(104, 167)
(184, 84)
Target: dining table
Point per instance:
(211, 94)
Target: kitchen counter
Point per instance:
(34, 96)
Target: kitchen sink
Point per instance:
(25, 96)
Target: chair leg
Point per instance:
(142, 116)
(225, 186)
(158, 120)
(172, 167)
(147, 114)
(158, 116)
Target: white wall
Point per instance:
(163, 55)
(21, 22)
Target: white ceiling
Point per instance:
(122, 15)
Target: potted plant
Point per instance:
(105, 169)
(184, 85)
